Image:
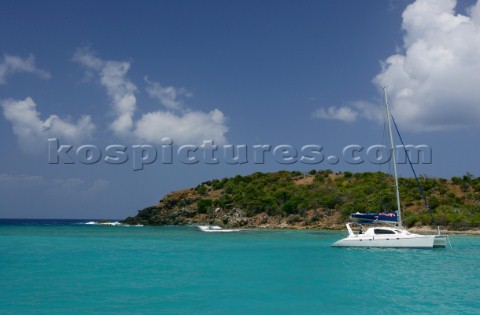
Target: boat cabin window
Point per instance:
(382, 231)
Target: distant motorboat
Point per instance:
(217, 229)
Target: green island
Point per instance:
(316, 200)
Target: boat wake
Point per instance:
(103, 223)
(111, 223)
(216, 229)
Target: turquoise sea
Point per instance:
(66, 267)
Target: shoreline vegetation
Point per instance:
(317, 200)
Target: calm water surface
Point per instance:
(59, 267)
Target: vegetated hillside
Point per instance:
(319, 199)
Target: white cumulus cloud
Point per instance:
(434, 83)
(189, 127)
(15, 64)
(352, 112)
(33, 132)
(121, 91)
(343, 113)
(168, 96)
(175, 121)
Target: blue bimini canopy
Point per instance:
(375, 216)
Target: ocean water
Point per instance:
(66, 266)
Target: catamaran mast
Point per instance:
(392, 154)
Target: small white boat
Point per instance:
(390, 236)
(216, 229)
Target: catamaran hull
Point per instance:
(440, 241)
(426, 241)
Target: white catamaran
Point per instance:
(393, 236)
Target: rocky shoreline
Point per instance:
(236, 218)
(317, 200)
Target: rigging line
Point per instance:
(412, 213)
(414, 173)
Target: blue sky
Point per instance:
(235, 72)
